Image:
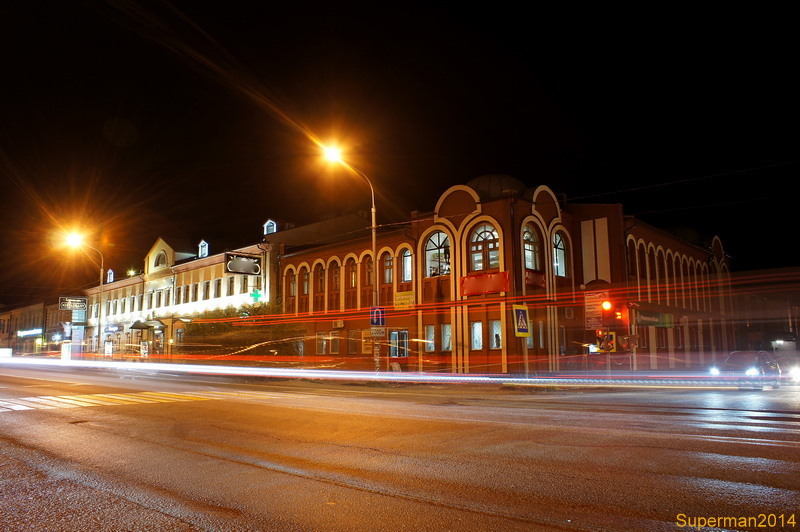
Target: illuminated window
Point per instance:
(405, 265)
(161, 260)
(447, 335)
(202, 249)
(476, 335)
(430, 338)
(484, 248)
(292, 284)
(122, 305)
(437, 255)
(388, 268)
(560, 255)
(496, 332)
(532, 249)
(398, 344)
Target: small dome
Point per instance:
(494, 185)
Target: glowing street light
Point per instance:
(335, 155)
(75, 240)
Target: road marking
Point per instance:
(100, 399)
(135, 398)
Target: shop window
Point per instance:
(447, 335)
(334, 342)
(321, 342)
(496, 334)
(437, 255)
(430, 338)
(398, 344)
(353, 339)
(476, 335)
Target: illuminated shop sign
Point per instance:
(29, 332)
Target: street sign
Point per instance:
(242, 263)
(593, 313)
(521, 323)
(72, 303)
(378, 332)
(377, 317)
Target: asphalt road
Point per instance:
(142, 450)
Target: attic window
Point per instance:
(161, 260)
(202, 249)
(270, 227)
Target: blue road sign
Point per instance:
(377, 317)
(521, 324)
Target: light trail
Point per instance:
(592, 379)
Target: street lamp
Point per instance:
(75, 240)
(335, 155)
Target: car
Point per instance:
(790, 366)
(754, 369)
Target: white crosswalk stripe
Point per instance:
(41, 402)
(100, 399)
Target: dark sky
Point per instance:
(135, 120)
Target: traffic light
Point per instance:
(607, 308)
(613, 313)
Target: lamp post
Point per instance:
(333, 154)
(75, 240)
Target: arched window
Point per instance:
(532, 249)
(437, 255)
(388, 268)
(369, 271)
(560, 255)
(161, 260)
(292, 284)
(405, 265)
(304, 281)
(484, 249)
(352, 275)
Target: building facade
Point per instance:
(450, 281)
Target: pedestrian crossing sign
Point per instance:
(521, 324)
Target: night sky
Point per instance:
(134, 120)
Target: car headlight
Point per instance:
(714, 371)
(794, 374)
(751, 372)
